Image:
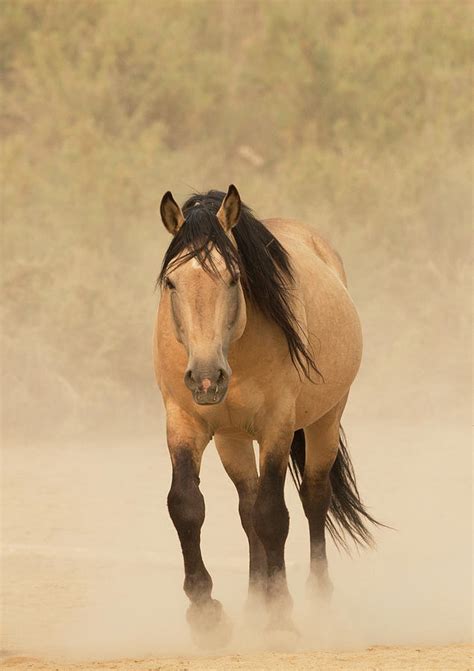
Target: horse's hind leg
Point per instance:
(186, 442)
(322, 444)
(238, 459)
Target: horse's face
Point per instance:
(208, 313)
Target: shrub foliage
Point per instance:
(353, 115)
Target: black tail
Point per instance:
(347, 513)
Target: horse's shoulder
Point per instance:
(288, 230)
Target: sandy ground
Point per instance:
(453, 657)
(91, 568)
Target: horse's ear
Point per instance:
(229, 211)
(171, 214)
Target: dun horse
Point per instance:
(256, 338)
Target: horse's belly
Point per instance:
(312, 405)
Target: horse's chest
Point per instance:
(243, 404)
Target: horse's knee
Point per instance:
(185, 501)
(270, 514)
(186, 507)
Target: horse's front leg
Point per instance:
(238, 458)
(271, 521)
(186, 442)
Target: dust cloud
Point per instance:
(369, 146)
(92, 567)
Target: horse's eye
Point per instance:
(234, 281)
(169, 284)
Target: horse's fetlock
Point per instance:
(198, 586)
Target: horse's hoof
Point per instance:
(210, 626)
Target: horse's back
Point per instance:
(292, 233)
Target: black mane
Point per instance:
(264, 265)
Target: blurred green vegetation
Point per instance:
(353, 115)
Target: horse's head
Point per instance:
(202, 277)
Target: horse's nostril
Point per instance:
(188, 378)
(222, 376)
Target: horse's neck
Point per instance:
(262, 343)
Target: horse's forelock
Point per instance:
(198, 238)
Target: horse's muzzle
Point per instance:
(207, 388)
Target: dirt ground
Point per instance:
(91, 567)
(378, 658)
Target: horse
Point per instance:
(256, 339)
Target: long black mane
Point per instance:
(264, 265)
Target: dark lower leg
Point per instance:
(209, 625)
(238, 459)
(316, 496)
(186, 508)
(271, 523)
(257, 558)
